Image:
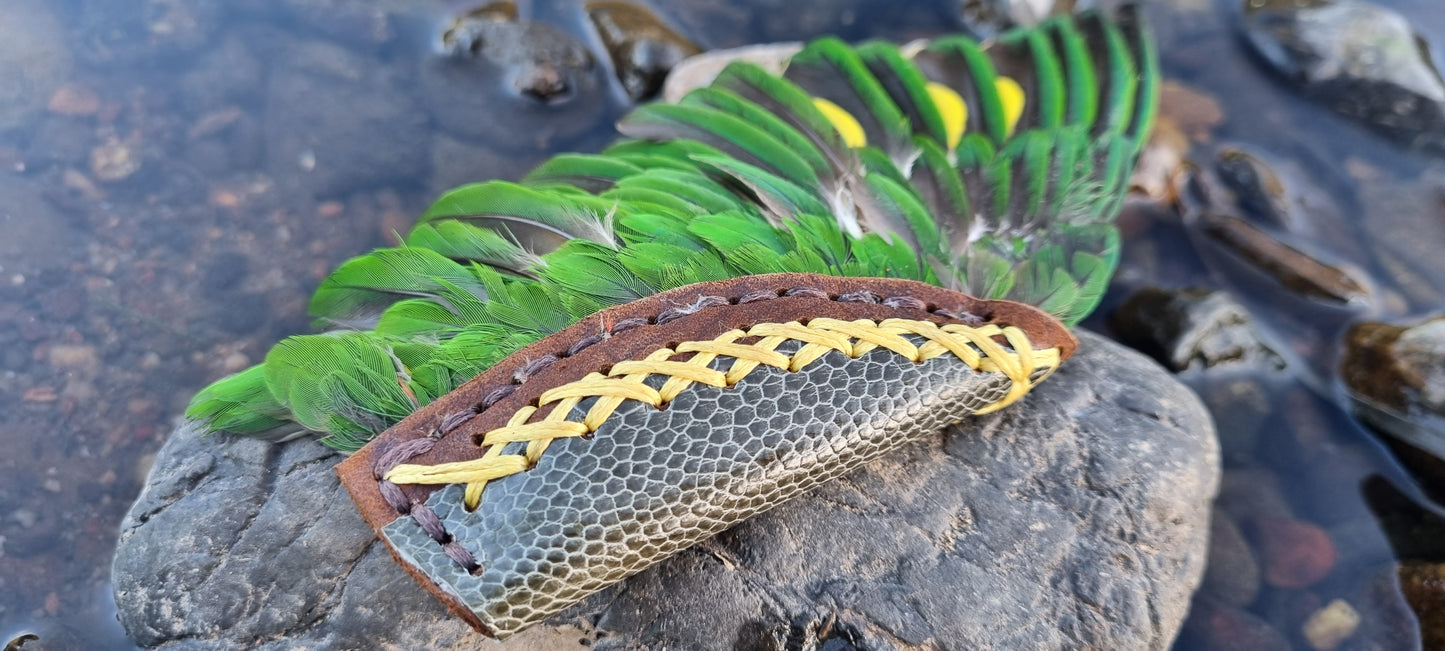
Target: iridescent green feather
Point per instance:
(746, 176)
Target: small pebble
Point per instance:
(330, 209)
(73, 356)
(25, 517)
(1295, 553)
(1331, 625)
(74, 101)
(235, 362)
(113, 160)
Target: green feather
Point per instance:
(591, 172)
(355, 295)
(960, 64)
(242, 404)
(829, 69)
(727, 133)
(747, 176)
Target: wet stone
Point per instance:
(1359, 58)
(536, 79)
(643, 48)
(1060, 477)
(1191, 329)
(1424, 586)
(1294, 269)
(1397, 374)
(1258, 190)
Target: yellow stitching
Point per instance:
(974, 346)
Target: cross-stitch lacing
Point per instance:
(974, 345)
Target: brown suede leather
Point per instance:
(356, 472)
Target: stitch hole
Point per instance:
(930, 308)
(605, 370)
(475, 570)
(733, 300)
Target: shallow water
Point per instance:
(177, 175)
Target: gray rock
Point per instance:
(1363, 60)
(1076, 519)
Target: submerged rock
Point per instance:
(1191, 329)
(512, 84)
(1078, 518)
(1294, 269)
(1397, 377)
(1424, 586)
(1359, 58)
(643, 49)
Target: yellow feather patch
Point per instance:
(1011, 95)
(843, 121)
(953, 110)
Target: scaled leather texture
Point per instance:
(655, 481)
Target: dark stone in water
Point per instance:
(1424, 586)
(643, 49)
(1186, 329)
(1360, 59)
(1396, 377)
(1258, 190)
(535, 79)
(1292, 268)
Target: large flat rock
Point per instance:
(1077, 518)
